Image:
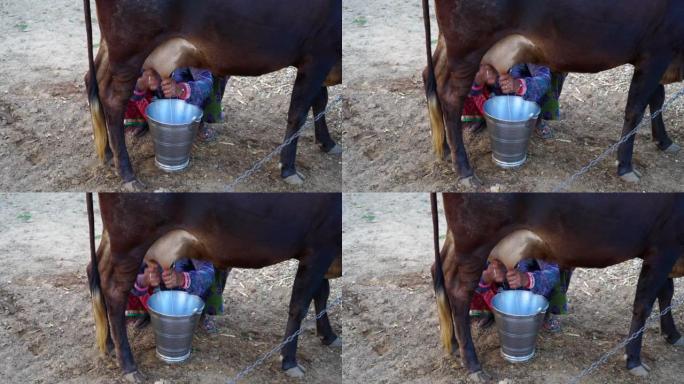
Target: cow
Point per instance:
(231, 38)
(230, 230)
(571, 230)
(569, 36)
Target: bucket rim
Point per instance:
(545, 307)
(198, 119)
(196, 311)
(534, 116)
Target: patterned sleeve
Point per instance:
(483, 287)
(536, 78)
(199, 88)
(138, 290)
(201, 277)
(544, 279)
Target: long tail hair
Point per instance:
(434, 105)
(99, 307)
(446, 323)
(96, 111)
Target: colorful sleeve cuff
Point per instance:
(186, 282)
(530, 280)
(186, 91)
(523, 88)
(139, 288)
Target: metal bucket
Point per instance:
(174, 124)
(519, 316)
(510, 120)
(174, 316)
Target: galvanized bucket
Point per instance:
(174, 316)
(510, 120)
(174, 124)
(519, 316)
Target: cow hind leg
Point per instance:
(667, 324)
(328, 145)
(307, 282)
(453, 95)
(461, 287)
(645, 82)
(658, 129)
(323, 327)
(652, 278)
(121, 88)
(307, 87)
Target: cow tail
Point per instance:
(434, 105)
(96, 111)
(446, 323)
(99, 308)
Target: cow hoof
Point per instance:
(631, 177)
(296, 372)
(470, 182)
(672, 149)
(640, 371)
(134, 186)
(134, 377)
(480, 377)
(296, 179)
(335, 151)
(338, 343)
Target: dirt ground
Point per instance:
(390, 316)
(46, 139)
(47, 331)
(387, 135)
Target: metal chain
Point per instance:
(240, 375)
(618, 347)
(259, 164)
(570, 180)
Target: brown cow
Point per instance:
(580, 36)
(235, 37)
(571, 230)
(230, 230)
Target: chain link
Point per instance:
(570, 180)
(624, 343)
(240, 375)
(260, 164)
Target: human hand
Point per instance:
(508, 84)
(486, 75)
(149, 80)
(517, 279)
(172, 279)
(495, 272)
(170, 88)
(150, 277)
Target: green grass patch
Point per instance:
(360, 21)
(24, 216)
(22, 26)
(368, 217)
